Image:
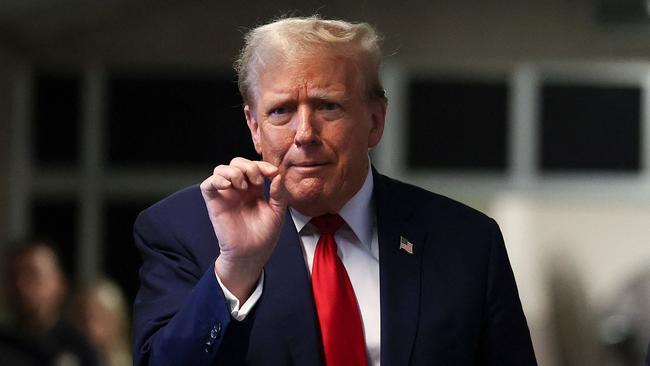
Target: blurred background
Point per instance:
(534, 111)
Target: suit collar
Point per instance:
(399, 271)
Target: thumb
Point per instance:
(278, 194)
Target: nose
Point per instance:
(307, 132)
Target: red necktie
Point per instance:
(338, 312)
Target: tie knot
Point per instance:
(327, 224)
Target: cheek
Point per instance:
(352, 144)
(275, 143)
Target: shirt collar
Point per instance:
(357, 212)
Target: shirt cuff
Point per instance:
(237, 312)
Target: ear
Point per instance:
(377, 120)
(254, 127)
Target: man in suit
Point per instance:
(311, 256)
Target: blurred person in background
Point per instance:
(14, 350)
(102, 317)
(38, 289)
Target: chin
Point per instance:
(308, 193)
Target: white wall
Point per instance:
(575, 260)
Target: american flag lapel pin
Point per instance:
(406, 245)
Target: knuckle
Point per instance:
(207, 184)
(218, 169)
(238, 160)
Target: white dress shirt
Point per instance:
(358, 249)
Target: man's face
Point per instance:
(39, 283)
(312, 119)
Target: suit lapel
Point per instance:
(399, 273)
(290, 299)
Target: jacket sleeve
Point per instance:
(505, 338)
(180, 313)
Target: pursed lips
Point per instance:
(308, 165)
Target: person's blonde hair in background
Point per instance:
(102, 317)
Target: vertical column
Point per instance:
(390, 154)
(90, 228)
(644, 134)
(20, 161)
(524, 101)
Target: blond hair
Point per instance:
(102, 302)
(296, 38)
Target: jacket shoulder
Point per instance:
(422, 202)
(187, 200)
(180, 218)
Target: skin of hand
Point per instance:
(246, 224)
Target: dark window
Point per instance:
(56, 221)
(458, 125)
(121, 258)
(56, 119)
(590, 128)
(173, 121)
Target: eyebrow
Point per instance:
(316, 94)
(322, 94)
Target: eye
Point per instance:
(279, 111)
(279, 115)
(330, 106)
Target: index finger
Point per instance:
(267, 169)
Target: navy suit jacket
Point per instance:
(453, 301)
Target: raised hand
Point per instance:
(246, 224)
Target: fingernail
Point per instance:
(259, 180)
(244, 185)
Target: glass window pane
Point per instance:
(590, 128)
(56, 119)
(458, 125)
(174, 121)
(121, 259)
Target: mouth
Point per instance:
(308, 166)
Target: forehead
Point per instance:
(315, 73)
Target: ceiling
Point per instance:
(25, 23)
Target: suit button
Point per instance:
(214, 334)
(208, 346)
(216, 330)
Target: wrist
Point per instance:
(239, 276)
